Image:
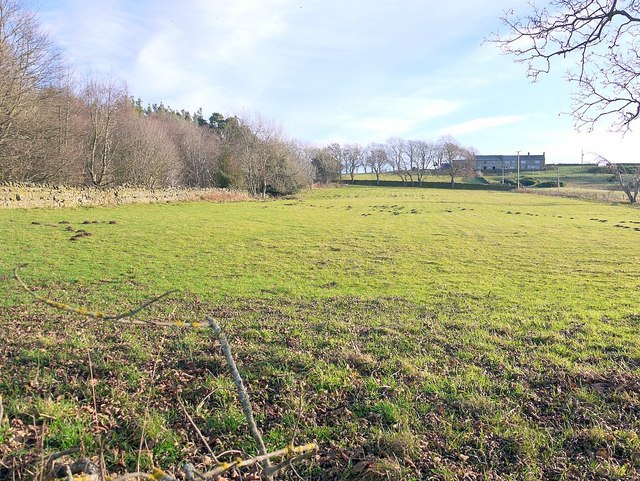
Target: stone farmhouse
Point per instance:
(495, 163)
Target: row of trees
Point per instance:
(55, 130)
(411, 160)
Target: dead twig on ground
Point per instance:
(242, 391)
(124, 477)
(307, 449)
(87, 313)
(92, 383)
(52, 457)
(195, 427)
(146, 409)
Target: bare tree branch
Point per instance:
(601, 36)
(101, 315)
(307, 449)
(124, 477)
(242, 391)
(52, 457)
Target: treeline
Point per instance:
(54, 129)
(411, 160)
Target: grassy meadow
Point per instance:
(413, 333)
(581, 181)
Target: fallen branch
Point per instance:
(124, 317)
(242, 392)
(288, 463)
(52, 457)
(156, 475)
(307, 449)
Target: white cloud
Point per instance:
(375, 119)
(481, 124)
(98, 37)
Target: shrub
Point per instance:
(528, 182)
(596, 169)
(550, 183)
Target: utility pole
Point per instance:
(518, 187)
(558, 166)
(502, 169)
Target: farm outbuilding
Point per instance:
(491, 163)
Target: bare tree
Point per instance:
(288, 169)
(376, 158)
(411, 152)
(240, 145)
(29, 64)
(104, 104)
(396, 148)
(150, 156)
(628, 179)
(603, 37)
(428, 155)
(260, 149)
(265, 150)
(199, 152)
(52, 150)
(352, 159)
(304, 155)
(458, 161)
(349, 156)
(336, 151)
(62, 110)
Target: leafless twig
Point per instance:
(290, 462)
(307, 449)
(85, 312)
(299, 416)
(193, 424)
(146, 410)
(124, 477)
(242, 391)
(52, 457)
(92, 383)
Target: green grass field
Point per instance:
(413, 333)
(582, 181)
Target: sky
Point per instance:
(334, 70)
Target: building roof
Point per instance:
(500, 157)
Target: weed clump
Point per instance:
(376, 469)
(398, 444)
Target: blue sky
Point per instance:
(333, 70)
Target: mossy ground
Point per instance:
(414, 333)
